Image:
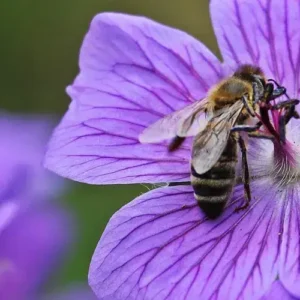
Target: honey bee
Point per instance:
(229, 109)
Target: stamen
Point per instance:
(286, 162)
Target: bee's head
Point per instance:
(255, 76)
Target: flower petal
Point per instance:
(289, 271)
(278, 292)
(7, 212)
(29, 247)
(263, 32)
(161, 246)
(23, 178)
(23, 140)
(133, 72)
(293, 132)
(260, 156)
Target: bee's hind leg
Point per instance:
(245, 176)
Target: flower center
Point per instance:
(286, 163)
(286, 168)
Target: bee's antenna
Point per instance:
(279, 86)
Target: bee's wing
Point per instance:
(210, 143)
(182, 123)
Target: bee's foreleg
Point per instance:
(252, 131)
(246, 104)
(246, 128)
(245, 176)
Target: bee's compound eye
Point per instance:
(259, 79)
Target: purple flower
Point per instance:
(30, 247)
(32, 232)
(278, 292)
(23, 179)
(133, 72)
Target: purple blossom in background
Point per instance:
(23, 180)
(30, 248)
(134, 71)
(33, 233)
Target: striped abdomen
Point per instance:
(213, 188)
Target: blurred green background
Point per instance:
(39, 54)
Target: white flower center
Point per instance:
(286, 164)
